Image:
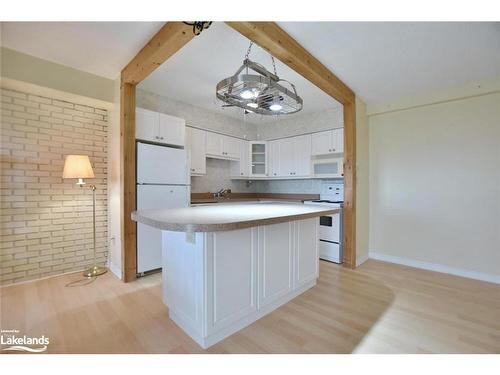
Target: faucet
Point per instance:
(222, 193)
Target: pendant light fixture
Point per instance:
(260, 93)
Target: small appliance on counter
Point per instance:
(330, 227)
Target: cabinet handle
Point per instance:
(241, 173)
(161, 137)
(275, 174)
(333, 149)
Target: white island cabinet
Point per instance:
(225, 266)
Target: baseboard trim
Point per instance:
(361, 260)
(436, 267)
(117, 271)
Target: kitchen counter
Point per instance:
(202, 198)
(228, 265)
(230, 216)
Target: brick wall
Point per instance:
(46, 222)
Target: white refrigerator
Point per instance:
(162, 182)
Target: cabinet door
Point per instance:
(338, 140)
(258, 159)
(306, 251)
(302, 156)
(286, 157)
(231, 262)
(197, 147)
(274, 158)
(275, 262)
(230, 147)
(244, 158)
(172, 130)
(147, 126)
(321, 143)
(214, 144)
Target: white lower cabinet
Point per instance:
(306, 251)
(218, 283)
(275, 262)
(231, 256)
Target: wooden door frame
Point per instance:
(268, 35)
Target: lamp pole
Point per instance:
(95, 270)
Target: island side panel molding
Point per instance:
(183, 262)
(213, 282)
(276, 254)
(306, 251)
(232, 277)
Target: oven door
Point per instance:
(330, 251)
(329, 228)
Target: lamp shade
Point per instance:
(77, 166)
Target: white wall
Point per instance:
(435, 186)
(362, 183)
(302, 123)
(114, 186)
(45, 220)
(196, 116)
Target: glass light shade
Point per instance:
(275, 107)
(77, 166)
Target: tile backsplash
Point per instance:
(218, 177)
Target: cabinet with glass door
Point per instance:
(258, 159)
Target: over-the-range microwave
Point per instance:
(328, 166)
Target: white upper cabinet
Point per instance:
(290, 157)
(147, 125)
(321, 143)
(338, 140)
(286, 158)
(231, 147)
(240, 168)
(302, 155)
(258, 159)
(222, 146)
(172, 130)
(274, 158)
(328, 142)
(159, 128)
(196, 144)
(214, 144)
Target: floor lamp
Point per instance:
(78, 166)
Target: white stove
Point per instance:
(330, 227)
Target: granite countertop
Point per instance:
(230, 216)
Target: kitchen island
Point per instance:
(226, 266)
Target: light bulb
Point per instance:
(275, 107)
(249, 94)
(252, 105)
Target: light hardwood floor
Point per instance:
(377, 308)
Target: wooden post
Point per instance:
(172, 37)
(127, 135)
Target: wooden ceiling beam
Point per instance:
(278, 43)
(167, 41)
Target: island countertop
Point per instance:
(214, 218)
